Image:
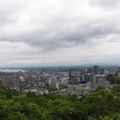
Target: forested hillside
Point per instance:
(104, 104)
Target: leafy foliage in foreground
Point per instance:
(103, 104)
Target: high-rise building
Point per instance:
(74, 77)
(89, 70)
(95, 69)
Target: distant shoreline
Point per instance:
(12, 70)
(52, 69)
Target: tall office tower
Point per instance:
(95, 69)
(101, 71)
(16, 82)
(74, 77)
(110, 77)
(89, 70)
(70, 76)
(118, 70)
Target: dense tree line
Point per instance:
(103, 104)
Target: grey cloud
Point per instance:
(112, 4)
(59, 33)
(10, 9)
(45, 32)
(52, 38)
(5, 18)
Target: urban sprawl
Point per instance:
(72, 82)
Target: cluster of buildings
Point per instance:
(70, 82)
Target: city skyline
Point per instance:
(59, 32)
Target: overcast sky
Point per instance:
(59, 32)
